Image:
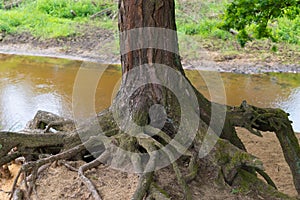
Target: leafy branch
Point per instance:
(241, 14)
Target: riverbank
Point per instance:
(100, 45)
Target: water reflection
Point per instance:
(21, 100)
(292, 106)
(28, 84)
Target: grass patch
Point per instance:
(201, 18)
(36, 23)
(54, 18)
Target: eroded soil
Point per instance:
(96, 44)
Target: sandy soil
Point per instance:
(58, 182)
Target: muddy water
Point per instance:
(28, 84)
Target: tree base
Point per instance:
(226, 166)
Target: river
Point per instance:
(29, 84)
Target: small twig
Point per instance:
(14, 186)
(103, 12)
(68, 166)
(32, 185)
(64, 155)
(7, 192)
(40, 170)
(89, 184)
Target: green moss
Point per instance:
(234, 157)
(248, 183)
(222, 157)
(160, 190)
(127, 142)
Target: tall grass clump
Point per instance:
(73, 9)
(201, 18)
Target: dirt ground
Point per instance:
(58, 182)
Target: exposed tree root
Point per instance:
(182, 182)
(88, 183)
(143, 186)
(14, 186)
(68, 166)
(193, 169)
(18, 194)
(155, 192)
(266, 177)
(274, 120)
(34, 168)
(230, 158)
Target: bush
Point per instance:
(241, 14)
(4, 27)
(288, 30)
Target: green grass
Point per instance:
(36, 23)
(53, 18)
(201, 18)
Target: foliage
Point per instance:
(201, 18)
(258, 16)
(52, 18)
(288, 30)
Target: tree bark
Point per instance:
(145, 25)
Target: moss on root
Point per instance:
(248, 183)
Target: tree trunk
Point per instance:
(147, 34)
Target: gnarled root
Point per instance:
(275, 120)
(230, 159)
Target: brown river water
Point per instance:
(29, 84)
